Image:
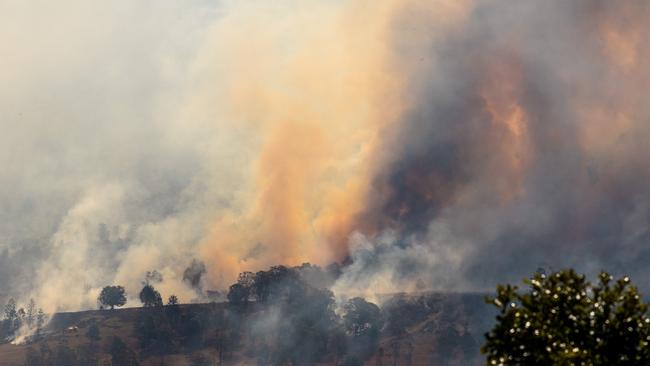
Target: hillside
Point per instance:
(425, 329)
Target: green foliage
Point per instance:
(562, 319)
(112, 296)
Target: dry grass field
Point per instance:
(450, 334)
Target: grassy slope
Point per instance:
(443, 337)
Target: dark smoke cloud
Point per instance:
(461, 213)
(192, 274)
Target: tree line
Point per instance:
(30, 318)
(288, 316)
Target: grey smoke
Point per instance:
(581, 205)
(192, 274)
(115, 159)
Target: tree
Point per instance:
(21, 318)
(172, 310)
(238, 295)
(173, 300)
(40, 321)
(112, 296)
(150, 297)
(31, 313)
(10, 311)
(305, 316)
(562, 319)
(363, 322)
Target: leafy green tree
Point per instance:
(563, 319)
(150, 297)
(112, 296)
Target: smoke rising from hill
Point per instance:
(438, 144)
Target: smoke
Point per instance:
(434, 144)
(524, 147)
(193, 274)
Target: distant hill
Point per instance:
(420, 329)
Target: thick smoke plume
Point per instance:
(431, 144)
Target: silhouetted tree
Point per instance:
(150, 297)
(40, 321)
(363, 322)
(305, 314)
(238, 295)
(562, 319)
(11, 316)
(30, 318)
(247, 280)
(112, 296)
(173, 311)
(172, 301)
(278, 284)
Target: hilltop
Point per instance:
(421, 329)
